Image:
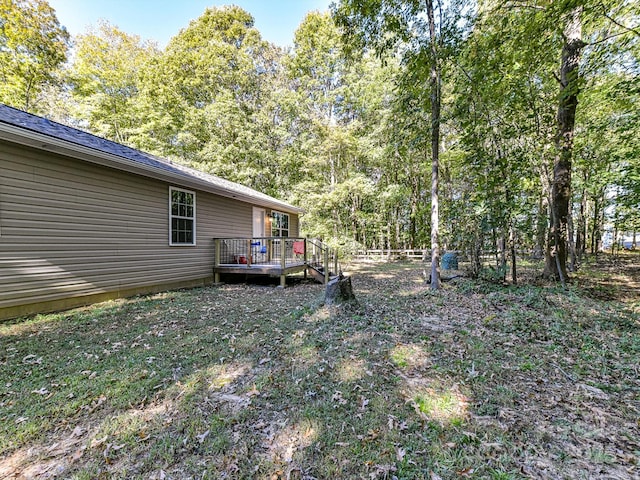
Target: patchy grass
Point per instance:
(238, 381)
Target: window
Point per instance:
(182, 217)
(279, 224)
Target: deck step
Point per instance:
(318, 273)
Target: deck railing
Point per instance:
(277, 253)
(322, 258)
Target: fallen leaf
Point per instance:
(202, 437)
(96, 442)
(435, 476)
(253, 392)
(78, 454)
(337, 397)
(32, 359)
(77, 431)
(52, 447)
(370, 436)
(465, 472)
(391, 421)
(42, 391)
(400, 453)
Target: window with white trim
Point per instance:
(182, 217)
(279, 224)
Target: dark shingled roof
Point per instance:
(34, 123)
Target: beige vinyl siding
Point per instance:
(69, 228)
(293, 225)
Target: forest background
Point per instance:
(347, 122)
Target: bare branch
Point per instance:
(609, 37)
(621, 25)
(523, 5)
(555, 75)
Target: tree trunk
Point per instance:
(561, 188)
(581, 230)
(573, 266)
(502, 258)
(412, 222)
(542, 220)
(512, 241)
(594, 226)
(434, 85)
(475, 251)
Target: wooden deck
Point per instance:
(273, 256)
(260, 269)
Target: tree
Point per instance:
(504, 120)
(608, 146)
(425, 35)
(105, 79)
(204, 97)
(568, 101)
(577, 32)
(33, 45)
(335, 135)
(435, 87)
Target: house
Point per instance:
(84, 219)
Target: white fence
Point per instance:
(385, 254)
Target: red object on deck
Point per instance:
(298, 248)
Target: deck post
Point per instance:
(248, 253)
(216, 260)
(305, 257)
(326, 265)
(283, 262)
(335, 262)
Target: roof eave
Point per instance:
(14, 134)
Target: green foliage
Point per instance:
(341, 124)
(505, 115)
(33, 45)
(105, 78)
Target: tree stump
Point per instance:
(339, 290)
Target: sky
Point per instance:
(160, 20)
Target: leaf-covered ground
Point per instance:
(249, 381)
